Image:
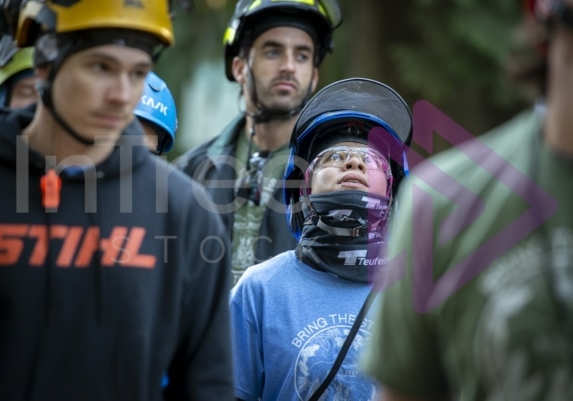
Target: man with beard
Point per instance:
(273, 50)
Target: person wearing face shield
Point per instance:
(301, 318)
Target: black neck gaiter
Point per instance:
(344, 233)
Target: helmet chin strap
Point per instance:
(47, 99)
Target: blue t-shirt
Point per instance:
(289, 322)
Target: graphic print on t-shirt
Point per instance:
(319, 344)
(523, 338)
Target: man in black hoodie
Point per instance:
(101, 297)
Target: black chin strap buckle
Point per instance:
(357, 232)
(353, 232)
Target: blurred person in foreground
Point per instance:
(292, 314)
(485, 240)
(109, 286)
(273, 49)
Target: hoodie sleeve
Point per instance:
(202, 369)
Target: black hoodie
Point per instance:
(102, 297)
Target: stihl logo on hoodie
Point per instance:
(78, 247)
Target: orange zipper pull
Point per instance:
(51, 183)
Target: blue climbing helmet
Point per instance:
(157, 108)
(355, 110)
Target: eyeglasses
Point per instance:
(339, 155)
(251, 184)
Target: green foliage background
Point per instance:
(449, 52)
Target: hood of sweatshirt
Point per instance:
(91, 210)
(122, 160)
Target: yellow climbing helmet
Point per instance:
(252, 17)
(63, 16)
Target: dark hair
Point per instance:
(270, 19)
(54, 47)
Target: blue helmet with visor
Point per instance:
(353, 110)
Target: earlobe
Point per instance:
(314, 79)
(237, 68)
